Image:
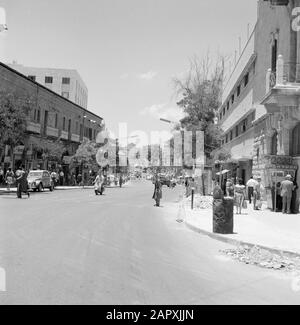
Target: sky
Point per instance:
(127, 51)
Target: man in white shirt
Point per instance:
(250, 188)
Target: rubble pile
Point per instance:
(263, 258)
(200, 202)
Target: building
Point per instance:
(55, 126)
(64, 82)
(260, 111)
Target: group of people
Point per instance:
(253, 191)
(18, 177)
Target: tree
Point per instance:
(200, 93)
(13, 118)
(86, 153)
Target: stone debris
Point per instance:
(200, 202)
(263, 258)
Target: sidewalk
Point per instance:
(3, 190)
(275, 232)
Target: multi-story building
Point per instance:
(260, 111)
(64, 82)
(55, 125)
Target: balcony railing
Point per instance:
(64, 135)
(286, 74)
(75, 138)
(33, 127)
(52, 132)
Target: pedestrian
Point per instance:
(53, 176)
(157, 195)
(61, 178)
(99, 184)
(120, 181)
(295, 203)
(286, 190)
(239, 196)
(257, 194)
(250, 188)
(230, 187)
(1, 176)
(9, 178)
(22, 183)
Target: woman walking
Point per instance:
(157, 195)
(239, 196)
(99, 184)
(9, 178)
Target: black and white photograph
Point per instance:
(149, 155)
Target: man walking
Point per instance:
(286, 189)
(250, 188)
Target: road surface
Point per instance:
(71, 247)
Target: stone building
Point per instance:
(65, 82)
(55, 125)
(260, 111)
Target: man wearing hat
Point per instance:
(286, 190)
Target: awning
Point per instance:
(225, 171)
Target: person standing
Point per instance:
(250, 188)
(257, 194)
(53, 176)
(99, 184)
(22, 183)
(1, 176)
(61, 178)
(120, 181)
(286, 189)
(9, 178)
(239, 196)
(157, 195)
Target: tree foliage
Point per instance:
(200, 93)
(86, 152)
(13, 118)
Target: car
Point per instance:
(38, 180)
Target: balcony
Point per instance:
(52, 132)
(75, 138)
(282, 86)
(287, 75)
(33, 127)
(64, 135)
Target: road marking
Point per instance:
(2, 280)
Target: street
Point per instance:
(71, 247)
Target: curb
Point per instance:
(236, 242)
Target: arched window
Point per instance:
(296, 141)
(274, 144)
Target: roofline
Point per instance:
(45, 88)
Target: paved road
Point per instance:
(71, 247)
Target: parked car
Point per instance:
(38, 180)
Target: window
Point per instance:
(226, 138)
(48, 80)
(76, 127)
(274, 144)
(238, 91)
(38, 118)
(232, 99)
(237, 131)
(65, 81)
(246, 79)
(231, 135)
(56, 120)
(81, 130)
(64, 123)
(228, 105)
(244, 126)
(296, 141)
(34, 115)
(33, 78)
(224, 111)
(65, 94)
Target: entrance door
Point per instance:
(244, 176)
